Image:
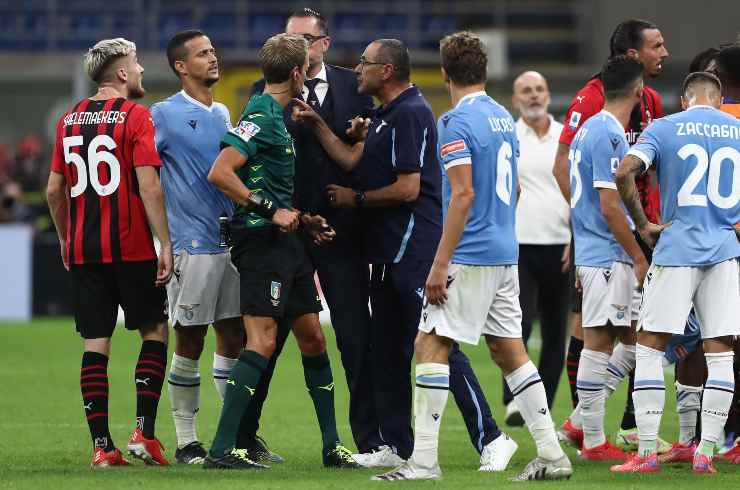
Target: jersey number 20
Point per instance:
(686, 195)
(94, 157)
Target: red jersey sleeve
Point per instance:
(587, 102)
(145, 147)
(57, 155)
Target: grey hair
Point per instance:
(100, 56)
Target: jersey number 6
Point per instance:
(94, 157)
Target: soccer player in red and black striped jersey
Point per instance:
(642, 40)
(104, 194)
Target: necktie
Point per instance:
(312, 98)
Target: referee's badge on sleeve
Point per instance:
(246, 130)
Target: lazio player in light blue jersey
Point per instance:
(205, 287)
(605, 250)
(697, 157)
(473, 286)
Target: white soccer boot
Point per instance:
(383, 457)
(497, 453)
(543, 469)
(410, 471)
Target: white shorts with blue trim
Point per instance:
(714, 291)
(481, 300)
(610, 295)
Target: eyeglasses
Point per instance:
(364, 62)
(310, 38)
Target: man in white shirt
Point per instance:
(543, 232)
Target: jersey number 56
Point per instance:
(94, 158)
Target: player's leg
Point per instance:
(575, 344)
(503, 334)
(732, 455)
(716, 302)
(95, 320)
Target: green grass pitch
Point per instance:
(45, 442)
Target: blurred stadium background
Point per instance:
(42, 42)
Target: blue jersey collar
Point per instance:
(471, 95)
(195, 101)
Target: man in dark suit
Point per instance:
(342, 269)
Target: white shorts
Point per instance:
(204, 288)
(609, 295)
(481, 300)
(714, 291)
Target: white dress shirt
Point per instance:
(542, 215)
(321, 88)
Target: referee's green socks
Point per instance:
(239, 390)
(320, 384)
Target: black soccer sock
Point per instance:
(628, 419)
(240, 387)
(148, 378)
(94, 387)
(574, 357)
(320, 384)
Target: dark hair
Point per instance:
(701, 61)
(307, 12)
(619, 75)
(176, 46)
(700, 77)
(628, 35)
(395, 52)
(728, 65)
(464, 58)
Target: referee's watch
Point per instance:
(359, 198)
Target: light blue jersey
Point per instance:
(188, 135)
(481, 133)
(697, 157)
(594, 156)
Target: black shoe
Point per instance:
(235, 460)
(260, 453)
(193, 453)
(339, 457)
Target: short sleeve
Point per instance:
(145, 148)
(409, 140)
(160, 127)
(454, 142)
(646, 147)
(587, 102)
(607, 151)
(57, 157)
(248, 137)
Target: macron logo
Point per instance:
(452, 147)
(380, 126)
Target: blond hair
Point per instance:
(100, 56)
(280, 54)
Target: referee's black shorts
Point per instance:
(99, 289)
(275, 274)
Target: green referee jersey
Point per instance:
(261, 136)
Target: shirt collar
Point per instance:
(700, 106)
(196, 102)
(321, 75)
(409, 92)
(470, 96)
(529, 129)
(612, 116)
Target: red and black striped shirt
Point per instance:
(99, 143)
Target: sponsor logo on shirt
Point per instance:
(452, 147)
(575, 118)
(246, 130)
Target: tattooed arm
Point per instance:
(629, 167)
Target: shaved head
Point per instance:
(529, 77)
(531, 95)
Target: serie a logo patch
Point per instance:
(275, 292)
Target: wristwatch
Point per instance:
(359, 198)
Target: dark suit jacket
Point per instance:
(314, 169)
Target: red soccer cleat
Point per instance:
(571, 435)
(702, 464)
(604, 452)
(679, 453)
(147, 450)
(733, 455)
(638, 464)
(103, 459)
